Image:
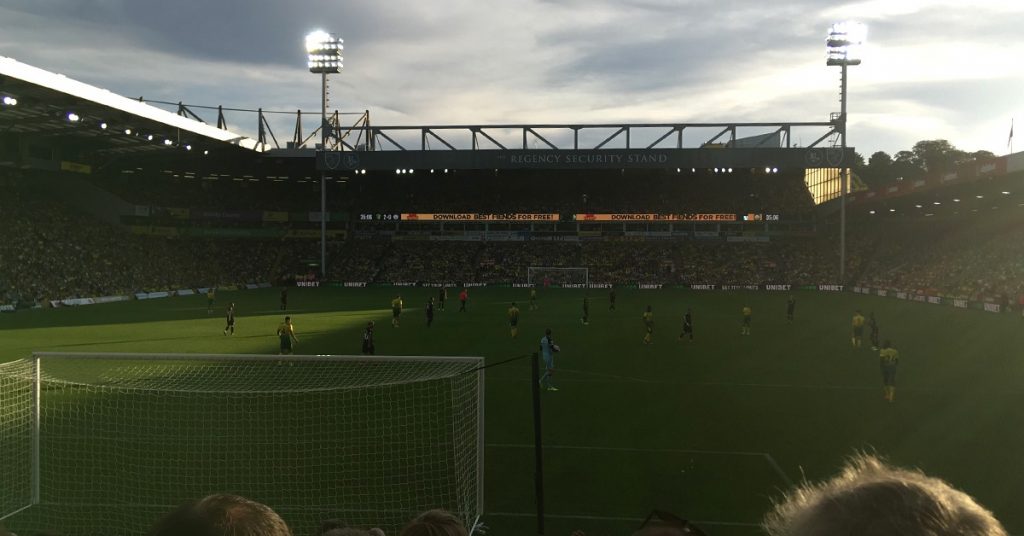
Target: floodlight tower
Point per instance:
(844, 49)
(324, 57)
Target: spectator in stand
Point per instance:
(221, 515)
(434, 523)
(872, 498)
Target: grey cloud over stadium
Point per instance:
(935, 68)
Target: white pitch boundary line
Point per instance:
(615, 377)
(611, 518)
(767, 457)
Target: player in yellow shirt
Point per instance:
(533, 299)
(747, 314)
(396, 311)
(211, 296)
(888, 359)
(513, 320)
(286, 332)
(858, 329)
(648, 318)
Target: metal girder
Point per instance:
(725, 133)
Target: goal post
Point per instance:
(558, 275)
(107, 443)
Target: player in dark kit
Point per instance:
(368, 347)
(430, 312)
(585, 320)
(790, 308)
(611, 300)
(687, 326)
(231, 320)
(284, 299)
(442, 295)
(873, 326)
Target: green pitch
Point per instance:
(710, 430)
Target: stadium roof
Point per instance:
(95, 120)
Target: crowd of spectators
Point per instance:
(596, 192)
(52, 251)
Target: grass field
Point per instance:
(710, 430)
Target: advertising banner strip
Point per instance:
(656, 217)
(478, 217)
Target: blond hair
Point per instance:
(871, 498)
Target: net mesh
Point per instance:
(545, 275)
(16, 400)
(369, 441)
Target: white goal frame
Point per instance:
(35, 376)
(531, 271)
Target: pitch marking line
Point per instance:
(764, 455)
(616, 377)
(610, 518)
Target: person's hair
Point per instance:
(434, 523)
(221, 515)
(871, 498)
(287, 318)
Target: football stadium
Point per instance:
(538, 328)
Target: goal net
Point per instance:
(551, 275)
(107, 443)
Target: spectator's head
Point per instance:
(287, 320)
(434, 523)
(871, 498)
(222, 515)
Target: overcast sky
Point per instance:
(933, 69)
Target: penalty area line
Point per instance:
(776, 468)
(583, 517)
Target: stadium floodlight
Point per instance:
(150, 137)
(9, 101)
(73, 117)
(168, 142)
(324, 52)
(206, 152)
(323, 57)
(188, 147)
(844, 43)
(103, 126)
(127, 132)
(843, 47)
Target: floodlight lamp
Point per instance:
(775, 170)
(103, 126)
(1006, 193)
(10, 101)
(149, 138)
(127, 132)
(315, 40)
(188, 147)
(168, 142)
(73, 117)
(767, 170)
(206, 152)
(844, 43)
